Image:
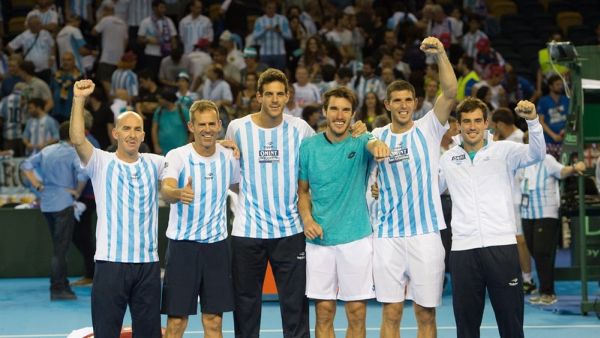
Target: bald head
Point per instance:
(129, 118)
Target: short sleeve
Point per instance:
(553, 166)
(95, 162)
(173, 164)
(432, 126)
(235, 168)
(303, 172)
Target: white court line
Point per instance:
(410, 328)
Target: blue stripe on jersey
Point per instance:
(286, 173)
(265, 192)
(120, 206)
(252, 171)
(213, 200)
(430, 195)
(420, 188)
(382, 177)
(195, 182)
(538, 200)
(396, 174)
(142, 213)
(296, 222)
(222, 208)
(541, 191)
(130, 227)
(153, 202)
(409, 192)
(181, 182)
(109, 211)
(280, 219)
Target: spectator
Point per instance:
(11, 77)
(468, 77)
(517, 88)
(388, 76)
(158, 33)
(486, 57)
(103, 120)
(81, 9)
(172, 65)
(546, 67)
(231, 73)
(215, 88)
(36, 88)
(40, 128)
(340, 35)
(169, 124)
(47, 14)
(64, 180)
(70, 39)
(185, 97)
(37, 46)
(137, 11)
(252, 65)
(12, 119)
(472, 37)
(247, 93)
(114, 40)
(400, 65)
(370, 110)
(291, 107)
(368, 82)
(307, 21)
(297, 43)
(503, 125)
(343, 78)
(314, 56)
(312, 115)
(124, 77)
(233, 54)
(270, 32)
(199, 61)
(400, 16)
(194, 27)
(120, 7)
(431, 90)
(62, 87)
(306, 93)
(553, 109)
(147, 102)
(494, 82)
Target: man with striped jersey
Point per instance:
(194, 27)
(267, 225)
(197, 177)
(11, 119)
(270, 32)
(408, 251)
(126, 188)
(41, 129)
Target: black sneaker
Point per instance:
(529, 288)
(62, 295)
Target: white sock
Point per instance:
(527, 277)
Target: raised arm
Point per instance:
(535, 151)
(445, 102)
(81, 90)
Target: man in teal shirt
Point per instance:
(169, 124)
(332, 184)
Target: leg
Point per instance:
(83, 238)
(213, 325)
(61, 225)
(109, 299)
(176, 326)
(249, 263)
(544, 252)
(468, 286)
(325, 313)
(425, 321)
(501, 265)
(287, 257)
(356, 312)
(144, 301)
(391, 318)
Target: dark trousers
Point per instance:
(446, 234)
(541, 236)
(117, 285)
(61, 224)
(287, 258)
(83, 237)
(495, 269)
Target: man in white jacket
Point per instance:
(478, 174)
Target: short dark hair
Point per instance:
(147, 74)
(343, 72)
(36, 101)
(552, 79)
(156, 3)
(470, 104)
(342, 92)
(503, 115)
(63, 131)
(398, 85)
(272, 75)
(468, 61)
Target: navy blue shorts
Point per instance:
(197, 269)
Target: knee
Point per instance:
(212, 323)
(425, 316)
(176, 325)
(392, 314)
(356, 312)
(325, 312)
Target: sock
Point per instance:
(527, 277)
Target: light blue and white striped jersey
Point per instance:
(80, 8)
(124, 79)
(269, 165)
(540, 185)
(193, 29)
(271, 43)
(12, 115)
(138, 10)
(409, 194)
(40, 130)
(70, 39)
(205, 219)
(127, 206)
(38, 50)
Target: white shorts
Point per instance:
(409, 268)
(343, 271)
